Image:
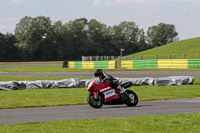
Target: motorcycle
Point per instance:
(102, 94)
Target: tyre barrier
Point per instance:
(79, 83)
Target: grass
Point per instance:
(43, 69)
(34, 69)
(35, 78)
(74, 96)
(42, 97)
(189, 47)
(31, 63)
(179, 123)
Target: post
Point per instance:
(97, 58)
(121, 50)
(113, 58)
(156, 57)
(141, 57)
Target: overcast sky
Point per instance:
(184, 14)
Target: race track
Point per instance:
(38, 114)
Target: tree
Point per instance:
(8, 50)
(161, 34)
(34, 36)
(76, 38)
(142, 45)
(40, 39)
(99, 39)
(59, 35)
(127, 35)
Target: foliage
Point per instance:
(40, 39)
(128, 36)
(8, 50)
(161, 34)
(36, 38)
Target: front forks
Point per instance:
(96, 94)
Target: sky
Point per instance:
(184, 14)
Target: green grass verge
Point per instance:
(179, 123)
(34, 69)
(35, 78)
(43, 69)
(31, 63)
(73, 96)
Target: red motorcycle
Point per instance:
(102, 94)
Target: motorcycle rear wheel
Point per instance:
(132, 99)
(95, 103)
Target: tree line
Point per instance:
(40, 39)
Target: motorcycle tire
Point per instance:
(95, 103)
(132, 99)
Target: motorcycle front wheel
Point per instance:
(132, 99)
(95, 103)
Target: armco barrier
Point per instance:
(127, 64)
(145, 64)
(173, 63)
(87, 64)
(78, 64)
(92, 64)
(139, 64)
(193, 63)
(130, 64)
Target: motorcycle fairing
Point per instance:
(109, 94)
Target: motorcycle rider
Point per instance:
(114, 83)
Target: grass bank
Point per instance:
(178, 50)
(179, 123)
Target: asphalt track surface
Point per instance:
(126, 74)
(41, 114)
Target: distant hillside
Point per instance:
(188, 49)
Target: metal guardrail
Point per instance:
(99, 58)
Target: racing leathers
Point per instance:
(114, 83)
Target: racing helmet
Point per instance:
(98, 72)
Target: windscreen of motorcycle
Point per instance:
(91, 83)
